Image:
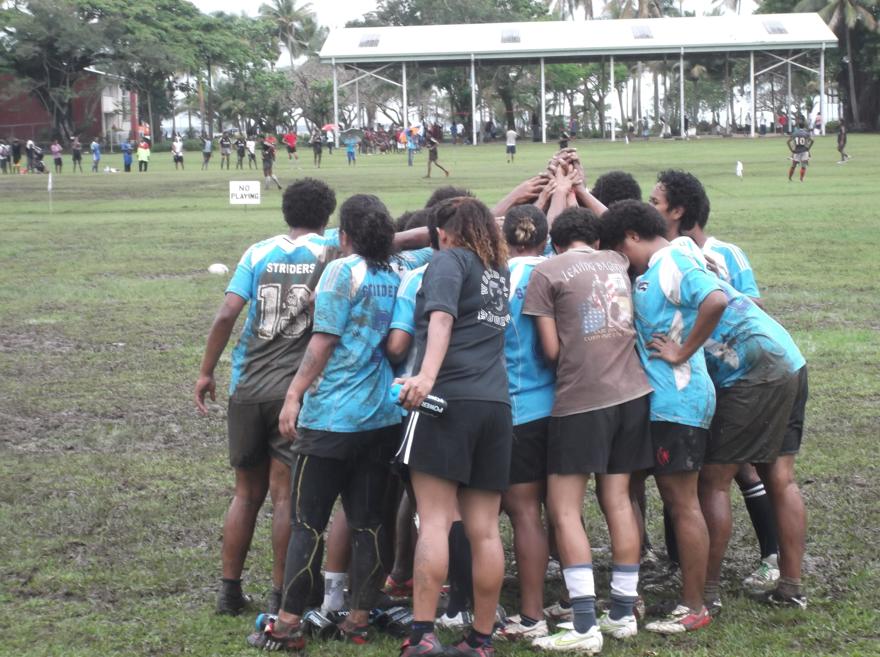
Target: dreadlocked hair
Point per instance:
(366, 221)
(470, 225)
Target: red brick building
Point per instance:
(101, 107)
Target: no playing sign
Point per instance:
(244, 192)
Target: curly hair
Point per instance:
(575, 225)
(401, 222)
(446, 192)
(683, 190)
(616, 186)
(471, 226)
(367, 223)
(308, 203)
(641, 218)
(526, 226)
(418, 219)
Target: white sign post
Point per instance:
(244, 192)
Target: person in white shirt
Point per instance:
(511, 145)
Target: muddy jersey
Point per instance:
(748, 347)
(457, 283)
(354, 302)
(277, 277)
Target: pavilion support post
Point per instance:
(789, 100)
(822, 87)
(543, 105)
(681, 127)
(473, 102)
(405, 118)
(611, 113)
(357, 103)
(752, 95)
(335, 105)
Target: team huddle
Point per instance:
(467, 361)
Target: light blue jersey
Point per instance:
(733, 266)
(530, 380)
(354, 302)
(748, 346)
(404, 317)
(667, 298)
(277, 276)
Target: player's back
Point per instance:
(277, 276)
(801, 141)
(733, 266)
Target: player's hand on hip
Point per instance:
(664, 348)
(205, 386)
(288, 418)
(413, 390)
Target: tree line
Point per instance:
(222, 67)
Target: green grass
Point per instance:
(114, 489)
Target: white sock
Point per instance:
(334, 591)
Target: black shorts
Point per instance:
(178, 158)
(371, 445)
(750, 422)
(470, 443)
(254, 435)
(267, 167)
(511, 150)
(528, 460)
(291, 150)
(613, 440)
(794, 431)
(677, 447)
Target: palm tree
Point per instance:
(295, 23)
(845, 15)
(566, 8)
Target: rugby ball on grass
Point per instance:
(218, 268)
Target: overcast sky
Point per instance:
(336, 13)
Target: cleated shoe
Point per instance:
(351, 633)
(714, 606)
(514, 630)
(682, 619)
(429, 646)
(765, 577)
(461, 620)
(588, 643)
(464, 649)
(557, 612)
(623, 628)
(232, 604)
(395, 589)
(267, 640)
(777, 599)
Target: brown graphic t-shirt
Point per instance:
(588, 293)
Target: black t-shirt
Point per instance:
(456, 282)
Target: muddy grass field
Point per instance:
(113, 489)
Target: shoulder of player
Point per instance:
(413, 276)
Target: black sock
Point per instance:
(760, 510)
(671, 542)
(476, 639)
(231, 586)
(460, 580)
(527, 621)
(419, 630)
